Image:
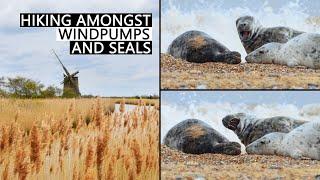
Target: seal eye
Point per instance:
(262, 142)
(261, 52)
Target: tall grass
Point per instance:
(77, 139)
(152, 102)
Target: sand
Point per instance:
(175, 165)
(180, 74)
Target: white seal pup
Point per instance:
(253, 35)
(249, 128)
(303, 50)
(304, 141)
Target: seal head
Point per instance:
(268, 144)
(242, 124)
(232, 121)
(267, 54)
(247, 27)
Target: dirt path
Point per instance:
(175, 164)
(180, 74)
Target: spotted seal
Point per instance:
(253, 35)
(303, 141)
(199, 47)
(249, 128)
(303, 50)
(196, 137)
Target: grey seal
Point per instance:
(303, 50)
(249, 128)
(199, 47)
(303, 141)
(253, 35)
(194, 136)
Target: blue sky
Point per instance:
(26, 51)
(298, 98)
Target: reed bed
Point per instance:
(77, 139)
(151, 102)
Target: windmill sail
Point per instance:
(64, 68)
(70, 81)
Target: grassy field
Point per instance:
(180, 74)
(77, 139)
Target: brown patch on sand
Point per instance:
(176, 164)
(195, 131)
(179, 74)
(197, 42)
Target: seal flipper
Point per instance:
(230, 148)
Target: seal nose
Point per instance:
(249, 58)
(248, 149)
(243, 25)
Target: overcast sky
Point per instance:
(26, 51)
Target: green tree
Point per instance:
(50, 92)
(23, 87)
(3, 92)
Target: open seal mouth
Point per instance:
(245, 35)
(233, 124)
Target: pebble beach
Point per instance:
(180, 74)
(178, 165)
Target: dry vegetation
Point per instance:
(152, 102)
(178, 165)
(180, 74)
(77, 139)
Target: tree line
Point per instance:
(21, 87)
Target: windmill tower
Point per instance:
(70, 81)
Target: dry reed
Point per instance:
(78, 139)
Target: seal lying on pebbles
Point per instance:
(199, 47)
(196, 137)
(303, 50)
(304, 141)
(249, 128)
(253, 35)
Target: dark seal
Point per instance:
(249, 128)
(194, 136)
(253, 35)
(199, 47)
